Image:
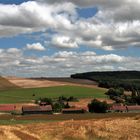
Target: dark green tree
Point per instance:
(57, 107)
(97, 106)
(115, 92)
(67, 105)
(48, 101)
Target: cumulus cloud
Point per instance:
(89, 3)
(32, 16)
(62, 63)
(35, 46)
(64, 42)
(116, 24)
(13, 50)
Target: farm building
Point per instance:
(124, 108)
(117, 108)
(43, 103)
(135, 108)
(73, 110)
(37, 109)
(7, 108)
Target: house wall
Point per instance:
(36, 112)
(134, 111)
(73, 112)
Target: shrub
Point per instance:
(97, 106)
(57, 107)
(48, 101)
(115, 92)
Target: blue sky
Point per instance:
(12, 1)
(50, 38)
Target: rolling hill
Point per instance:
(6, 85)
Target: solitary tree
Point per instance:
(97, 106)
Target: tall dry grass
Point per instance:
(101, 129)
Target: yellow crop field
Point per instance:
(97, 129)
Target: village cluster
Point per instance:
(44, 108)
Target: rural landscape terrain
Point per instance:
(20, 92)
(69, 69)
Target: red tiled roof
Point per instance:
(43, 103)
(118, 107)
(37, 108)
(7, 107)
(135, 107)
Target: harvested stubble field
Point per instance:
(96, 129)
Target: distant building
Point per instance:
(7, 108)
(135, 108)
(43, 103)
(37, 109)
(117, 108)
(124, 108)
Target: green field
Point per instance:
(28, 119)
(26, 95)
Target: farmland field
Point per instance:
(15, 119)
(26, 95)
(110, 128)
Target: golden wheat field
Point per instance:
(101, 129)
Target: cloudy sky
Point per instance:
(61, 37)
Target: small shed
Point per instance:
(37, 109)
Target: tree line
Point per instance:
(128, 80)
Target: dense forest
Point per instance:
(128, 80)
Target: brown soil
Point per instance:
(30, 83)
(62, 117)
(84, 102)
(33, 83)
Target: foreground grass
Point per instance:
(95, 129)
(61, 117)
(26, 95)
(14, 122)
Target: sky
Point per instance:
(57, 38)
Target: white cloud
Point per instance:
(89, 3)
(62, 63)
(32, 16)
(64, 42)
(116, 24)
(35, 46)
(13, 50)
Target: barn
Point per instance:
(37, 109)
(117, 108)
(134, 108)
(124, 108)
(7, 108)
